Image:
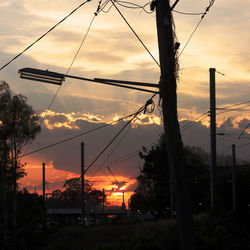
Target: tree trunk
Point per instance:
(174, 143)
(4, 188)
(14, 190)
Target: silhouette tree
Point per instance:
(154, 187)
(18, 126)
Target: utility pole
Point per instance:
(103, 200)
(82, 185)
(213, 138)
(174, 145)
(123, 202)
(44, 195)
(234, 183)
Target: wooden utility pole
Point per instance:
(82, 184)
(213, 138)
(234, 183)
(169, 68)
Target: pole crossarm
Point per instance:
(58, 78)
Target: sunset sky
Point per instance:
(112, 51)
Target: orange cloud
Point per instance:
(52, 175)
(53, 120)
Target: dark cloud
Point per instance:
(187, 101)
(227, 125)
(56, 119)
(66, 156)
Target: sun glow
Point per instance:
(55, 178)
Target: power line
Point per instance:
(189, 13)
(121, 159)
(74, 137)
(104, 6)
(142, 43)
(131, 5)
(197, 26)
(18, 55)
(233, 79)
(243, 131)
(190, 122)
(234, 105)
(142, 109)
(115, 147)
(230, 110)
(77, 52)
(194, 122)
(83, 40)
(112, 174)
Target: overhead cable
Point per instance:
(142, 43)
(142, 109)
(18, 55)
(131, 5)
(106, 159)
(74, 137)
(202, 17)
(233, 79)
(77, 52)
(194, 122)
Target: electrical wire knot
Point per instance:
(149, 106)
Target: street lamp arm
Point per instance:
(128, 82)
(58, 78)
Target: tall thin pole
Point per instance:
(103, 200)
(174, 145)
(213, 137)
(82, 184)
(234, 183)
(44, 195)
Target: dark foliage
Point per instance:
(153, 192)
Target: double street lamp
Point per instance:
(58, 78)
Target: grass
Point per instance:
(226, 232)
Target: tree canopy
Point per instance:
(154, 188)
(18, 126)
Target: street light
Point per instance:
(42, 76)
(57, 78)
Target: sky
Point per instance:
(111, 51)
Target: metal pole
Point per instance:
(234, 184)
(44, 198)
(103, 200)
(44, 195)
(213, 137)
(82, 184)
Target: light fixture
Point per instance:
(42, 76)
